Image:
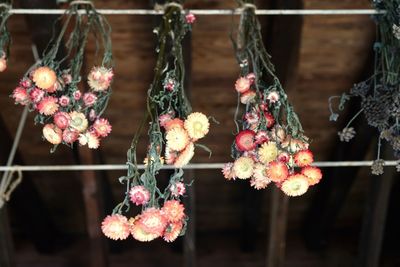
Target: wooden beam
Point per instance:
(189, 242)
(41, 27)
(285, 49)
(94, 202)
(277, 229)
(7, 258)
(92, 195)
(40, 35)
(334, 188)
(374, 221)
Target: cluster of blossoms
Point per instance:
(379, 95)
(166, 222)
(181, 136)
(264, 152)
(173, 132)
(68, 114)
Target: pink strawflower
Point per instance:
(251, 117)
(62, 120)
(273, 97)
(99, 78)
(77, 95)
(228, 172)
(139, 195)
(115, 227)
(261, 137)
(172, 231)
(153, 221)
(170, 85)
(26, 82)
(20, 96)
(56, 87)
(36, 95)
(3, 64)
(163, 119)
(263, 107)
(64, 101)
(178, 189)
(70, 135)
(251, 154)
(67, 78)
(102, 127)
(92, 115)
(190, 18)
(89, 99)
(242, 85)
(48, 106)
(52, 134)
(247, 97)
(173, 210)
(283, 157)
(90, 139)
(252, 77)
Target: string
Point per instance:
(81, 2)
(248, 6)
(158, 7)
(11, 184)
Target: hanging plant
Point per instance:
(171, 122)
(379, 94)
(270, 145)
(5, 39)
(52, 87)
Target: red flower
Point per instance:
(190, 18)
(313, 174)
(277, 171)
(303, 158)
(242, 85)
(245, 140)
(270, 119)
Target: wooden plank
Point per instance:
(277, 229)
(7, 258)
(92, 195)
(332, 192)
(189, 242)
(374, 221)
(285, 49)
(40, 35)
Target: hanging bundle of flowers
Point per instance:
(270, 145)
(5, 39)
(174, 131)
(379, 95)
(53, 89)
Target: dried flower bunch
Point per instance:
(5, 38)
(270, 145)
(52, 87)
(379, 95)
(173, 133)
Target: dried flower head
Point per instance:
(197, 125)
(115, 227)
(347, 134)
(377, 167)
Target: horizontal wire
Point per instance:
(210, 11)
(194, 166)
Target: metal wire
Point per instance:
(196, 12)
(210, 11)
(194, 166)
